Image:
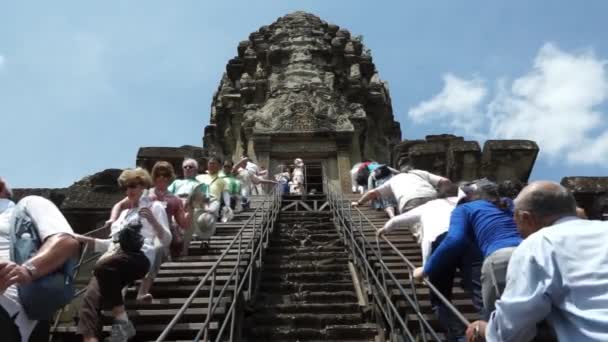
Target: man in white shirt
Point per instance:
(558, 273)
(58, 246)
(410, 189)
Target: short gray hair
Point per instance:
(190, 160)
(548, 200)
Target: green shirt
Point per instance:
(182, 187)
(233, 185)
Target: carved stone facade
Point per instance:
(297, 81)
(457, 159)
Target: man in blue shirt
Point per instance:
(487, 221)
(558, 273)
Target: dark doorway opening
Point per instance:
(313, 177)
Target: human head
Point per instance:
(5, 190)
(362, 176)
(228, 165)
(162, 174)
(298, 162)
(540, 204)
(190, 167)
(134, 181)
(213, 165)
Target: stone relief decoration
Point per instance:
(301, 74)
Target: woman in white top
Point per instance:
(128, 254)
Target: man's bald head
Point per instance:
(546, 201)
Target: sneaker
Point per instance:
(122, 331)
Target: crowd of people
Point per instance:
(532, 261)
(155, 221)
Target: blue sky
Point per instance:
(83, 85)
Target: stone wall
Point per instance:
(453, 157)
(591, 194)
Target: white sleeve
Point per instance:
(161, 216)
(411, 217)
(46, 216)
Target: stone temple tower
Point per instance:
(301, 87)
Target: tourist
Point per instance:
(284, 178)
(410, 189)
(379, 176)
(247, 173)
(558, 273)
(233, 185)
(360, 174)
(214, 192)
(434, 219)
(127, 256)
(486, 219)
(58, 246)
(297, 178)
(182, 188)
(178, 219)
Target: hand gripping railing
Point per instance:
(262, 221)
(375, 277)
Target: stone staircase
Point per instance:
(174, 284)
(306, 291)
(406, 244)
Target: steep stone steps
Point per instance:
(407, 245)
(174, 284)
(306, 291)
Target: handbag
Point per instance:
(45, 295)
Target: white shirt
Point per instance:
(410, 185)
(559, 273)
(128, 216)
(434, 219)
(49, 221)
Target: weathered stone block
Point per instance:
(508, 159)
(591, 194)
(464, 158)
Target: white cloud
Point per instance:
(1, 62)
(556, 104)
(458, 100)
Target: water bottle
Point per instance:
(144, 200)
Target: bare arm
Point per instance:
(117, 209)
(53, 253)
(368, 196)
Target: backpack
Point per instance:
(44, 296)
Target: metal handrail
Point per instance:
(353, 236)
(254, 247)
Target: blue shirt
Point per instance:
(559, 273)
(481, 221)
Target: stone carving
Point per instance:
(303, 75)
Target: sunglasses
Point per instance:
(132, 185)
(164, 175)
(188, 167)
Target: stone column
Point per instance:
(261, 147)
(344, 145)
